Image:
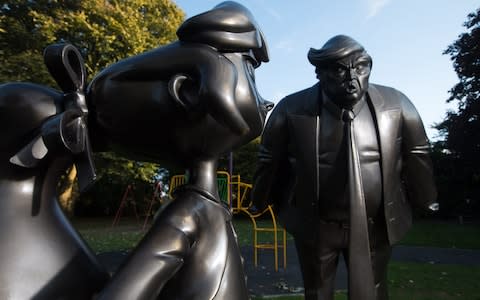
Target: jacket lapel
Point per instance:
(388, 123)
(303, 131)
(302, 124)
(311, 105)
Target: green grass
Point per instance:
(443, 235)
(103, 238)
(428, 281)
(244, 228)
(425, 233)
(338, 296)
(412, 281)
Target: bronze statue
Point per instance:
(343, 162)
(200, 93)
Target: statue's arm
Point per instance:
(272, 153)
(417, 165)
(156, 259)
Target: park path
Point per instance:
(264, 280)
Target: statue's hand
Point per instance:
(434, 207)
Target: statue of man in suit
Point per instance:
(345, 185)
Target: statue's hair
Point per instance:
(228, 27)
(334, 49)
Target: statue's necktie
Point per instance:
(360, 276)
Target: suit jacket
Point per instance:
(287, 172)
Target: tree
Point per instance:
(104, 31)
(122, 171)
(461, 128)
(115, 174)
(244, 161)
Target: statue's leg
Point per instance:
(319, 259)
(381, 253)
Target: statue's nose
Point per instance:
(352, 74)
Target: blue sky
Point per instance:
(405, 38)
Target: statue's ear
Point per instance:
(184, 90)
(174, 86)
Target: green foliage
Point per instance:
(461, 128)
(115, 174)
(104, 31)
(123, 171)
(244, 161)
(465, 54)
(449, 180)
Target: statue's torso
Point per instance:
(214, 268)
(41, 255)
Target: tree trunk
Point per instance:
(69, 191)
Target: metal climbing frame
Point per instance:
(223, 182)
(236, 193)
(242, 206)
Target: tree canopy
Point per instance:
(244, 161)
(103, 30)
(461, 128)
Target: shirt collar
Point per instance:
(337, 111)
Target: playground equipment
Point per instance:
(236, 193)
(128, 198)
(175, 182)
(242, 204)
(157, 196)
(223, 182)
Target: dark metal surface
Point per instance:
(198, 89)
(288, 173)
(200, 92)
(43, 132)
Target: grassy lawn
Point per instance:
(427, 233)
(426, 281)
(244, 229)
(102, 237)
(412, 281)
(444, 235)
